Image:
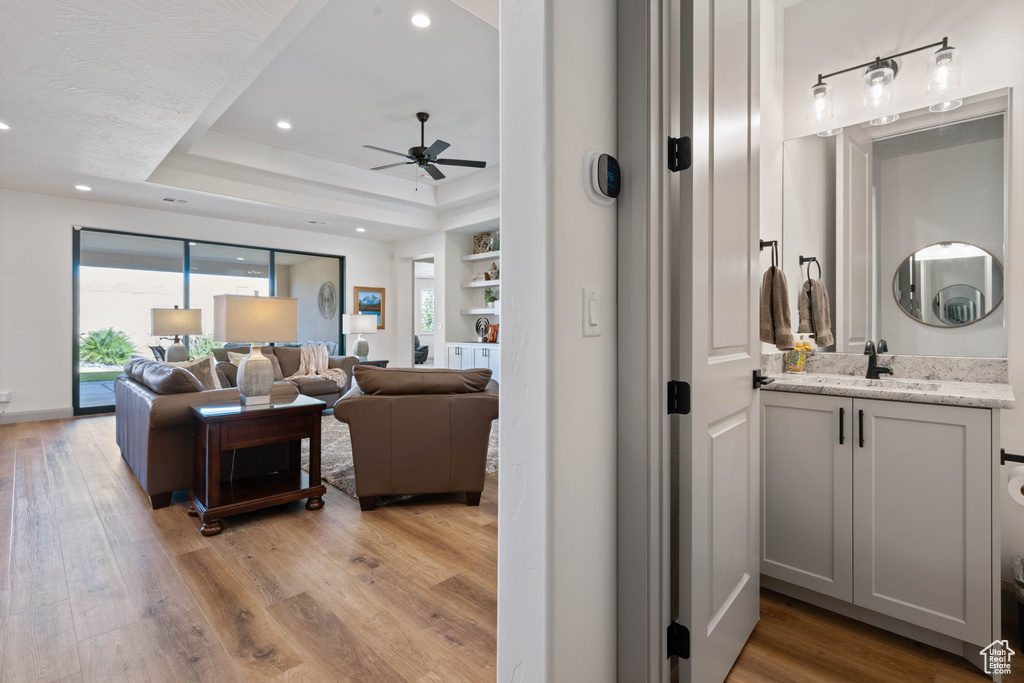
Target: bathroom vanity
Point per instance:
(880, 500)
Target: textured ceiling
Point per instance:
(101, 91)
(358, 74)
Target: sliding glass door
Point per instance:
(120, 277)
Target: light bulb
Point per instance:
(819, 103)
(948, 105)
(943, 71)
(878, 86)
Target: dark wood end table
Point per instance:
(223, 427)
(376, 363)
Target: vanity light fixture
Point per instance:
(879, 74)
(830, 132)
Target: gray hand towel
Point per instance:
(815, 313)
(776, 327)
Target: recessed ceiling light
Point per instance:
(83, 188)
(421, 20)
(360, 229)
(191, 244)
(4, 126)
(284, 125)
(239, 258)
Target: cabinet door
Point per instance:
(922, 516)
(479, 357)
(454, 359)
(492, 362)
(807, 491)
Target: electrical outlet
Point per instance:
(5, 397)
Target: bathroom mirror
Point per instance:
(877, 205)
(949, 284)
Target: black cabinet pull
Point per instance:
(860, 418)
(842, 426)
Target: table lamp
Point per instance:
(360, 325)
(172, 322)
(254, 320)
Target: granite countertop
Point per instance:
(941, 392)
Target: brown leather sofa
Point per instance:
(324, 389)
(154, 428)
(419, 430)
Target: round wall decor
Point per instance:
(327, 300)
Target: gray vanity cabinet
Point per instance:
(896, 519)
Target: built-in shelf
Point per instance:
(481, 283)
(479, 311)
(486, 256)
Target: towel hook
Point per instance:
(808, 260)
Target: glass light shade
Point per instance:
(830, 132)
(819, 103)
(884, 120)
(948, 105)
(238, 318)
(878, 87)
(943, 71)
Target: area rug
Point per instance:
(336, 457)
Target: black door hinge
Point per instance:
(678, 641)
(678, 398)
(679, 156)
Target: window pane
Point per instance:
(217, 269)
(426, 310)
(121, 278)
(314, 281)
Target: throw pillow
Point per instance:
(205, 370)
(236, 358)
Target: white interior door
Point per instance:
(716, 348)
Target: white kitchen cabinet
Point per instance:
(896, 519)
(468, 355)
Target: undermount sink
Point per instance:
(843, 381)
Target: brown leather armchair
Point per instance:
(419, 430)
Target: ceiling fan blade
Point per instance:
(381, 149)
(436, 148)
(434, 171)
(400, 163)
(461, 162)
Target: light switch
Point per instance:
(591, 312)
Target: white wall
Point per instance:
(771, 133)
(826, 35)
(35, 282)
(556, 537)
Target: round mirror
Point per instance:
(949, 284)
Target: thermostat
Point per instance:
(602, 178)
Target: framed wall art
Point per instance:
(370, 301)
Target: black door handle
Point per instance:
(760, 380)
(842, 426)
(860, 418)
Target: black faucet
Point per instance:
(874, 369)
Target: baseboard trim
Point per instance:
(37, 415)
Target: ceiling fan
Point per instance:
(425, 157)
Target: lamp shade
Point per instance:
(238, 318)
(170, 322)
(359, 324)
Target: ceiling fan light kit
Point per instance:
(426, 157)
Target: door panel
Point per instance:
(714, 222)
(807, 492)
(856, 239)
(921, 481)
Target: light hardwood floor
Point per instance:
(95, 586)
